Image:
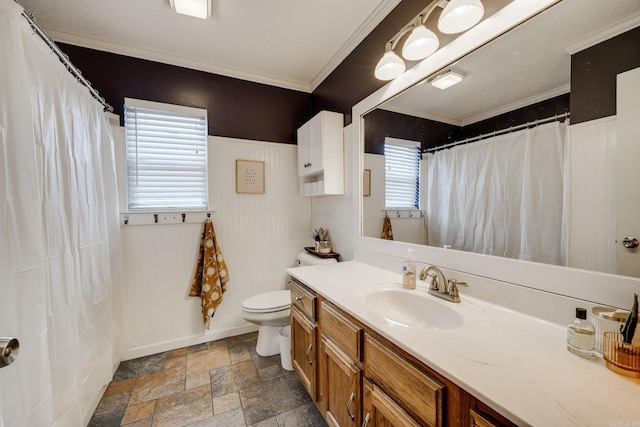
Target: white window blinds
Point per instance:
(166, 156)
(402, 173)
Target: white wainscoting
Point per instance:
(337, 213)
(260, 236)
(591, 156)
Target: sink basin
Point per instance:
(414, 308)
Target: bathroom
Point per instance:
(260, 235)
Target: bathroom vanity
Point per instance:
(371, 353)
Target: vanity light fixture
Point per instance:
(447, 79)
(196, 8)
(390, 66)
(423, 42)
(460, 15)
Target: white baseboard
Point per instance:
(147, 350)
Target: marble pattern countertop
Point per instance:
(515, 363)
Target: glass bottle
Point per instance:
(581, 335)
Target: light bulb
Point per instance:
(460, 15)
(390, 66)
(421, 43)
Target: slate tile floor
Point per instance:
(220, 383)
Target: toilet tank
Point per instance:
(305, 258)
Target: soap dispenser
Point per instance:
(409, 272)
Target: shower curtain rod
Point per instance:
(65, 60)
(503, 131)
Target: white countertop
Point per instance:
(515, 363)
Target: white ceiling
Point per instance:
(529, 64)
(288, 43)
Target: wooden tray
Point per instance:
(313, 251)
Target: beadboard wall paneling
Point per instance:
(260, 235)
(340, 213)
(591, 202)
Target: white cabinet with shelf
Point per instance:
(320, 155)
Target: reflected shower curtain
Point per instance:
(58, 232)
(501, 196)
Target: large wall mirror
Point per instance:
(505, 191)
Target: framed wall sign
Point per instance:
(249, 177)
(366, 183)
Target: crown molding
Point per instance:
(605, 34)
(385, 7)
(180, 61)
(421, 114)
(519, 104)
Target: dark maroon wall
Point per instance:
(593, 75)
(236, 108)
(540, 110)
(381, 123)
(353, 79)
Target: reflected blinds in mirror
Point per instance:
(402, 173)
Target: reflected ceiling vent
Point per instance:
(447, 79)
(196, 8)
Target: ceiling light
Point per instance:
(420, 44)
(447, 79)
(460, 15)
(197, 8)
(390, 66)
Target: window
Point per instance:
(166, 156)
(402, 173)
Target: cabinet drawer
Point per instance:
(345, 333)
(419, 394)
(303, 299)
(477, 420)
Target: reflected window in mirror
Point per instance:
(402, 173)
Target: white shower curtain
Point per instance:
(58, 233)
(501, 196)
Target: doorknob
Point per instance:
(630, 242)
(9, 349)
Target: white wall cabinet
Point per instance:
(320, 155)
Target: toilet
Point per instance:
(272, 310)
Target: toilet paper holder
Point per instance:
(9, 349)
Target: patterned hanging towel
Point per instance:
(211, 276)
(387, 232)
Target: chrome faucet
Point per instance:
(439, 285)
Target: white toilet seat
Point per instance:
(268, 302)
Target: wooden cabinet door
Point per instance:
(343, 393)
(303, 350)
(380, 410)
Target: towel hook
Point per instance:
(183, 217)
(398, 214)
(208, 214)
(126, 219)
(155, 218)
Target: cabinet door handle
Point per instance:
(365, 423)
(310, 362)
(353, 396)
